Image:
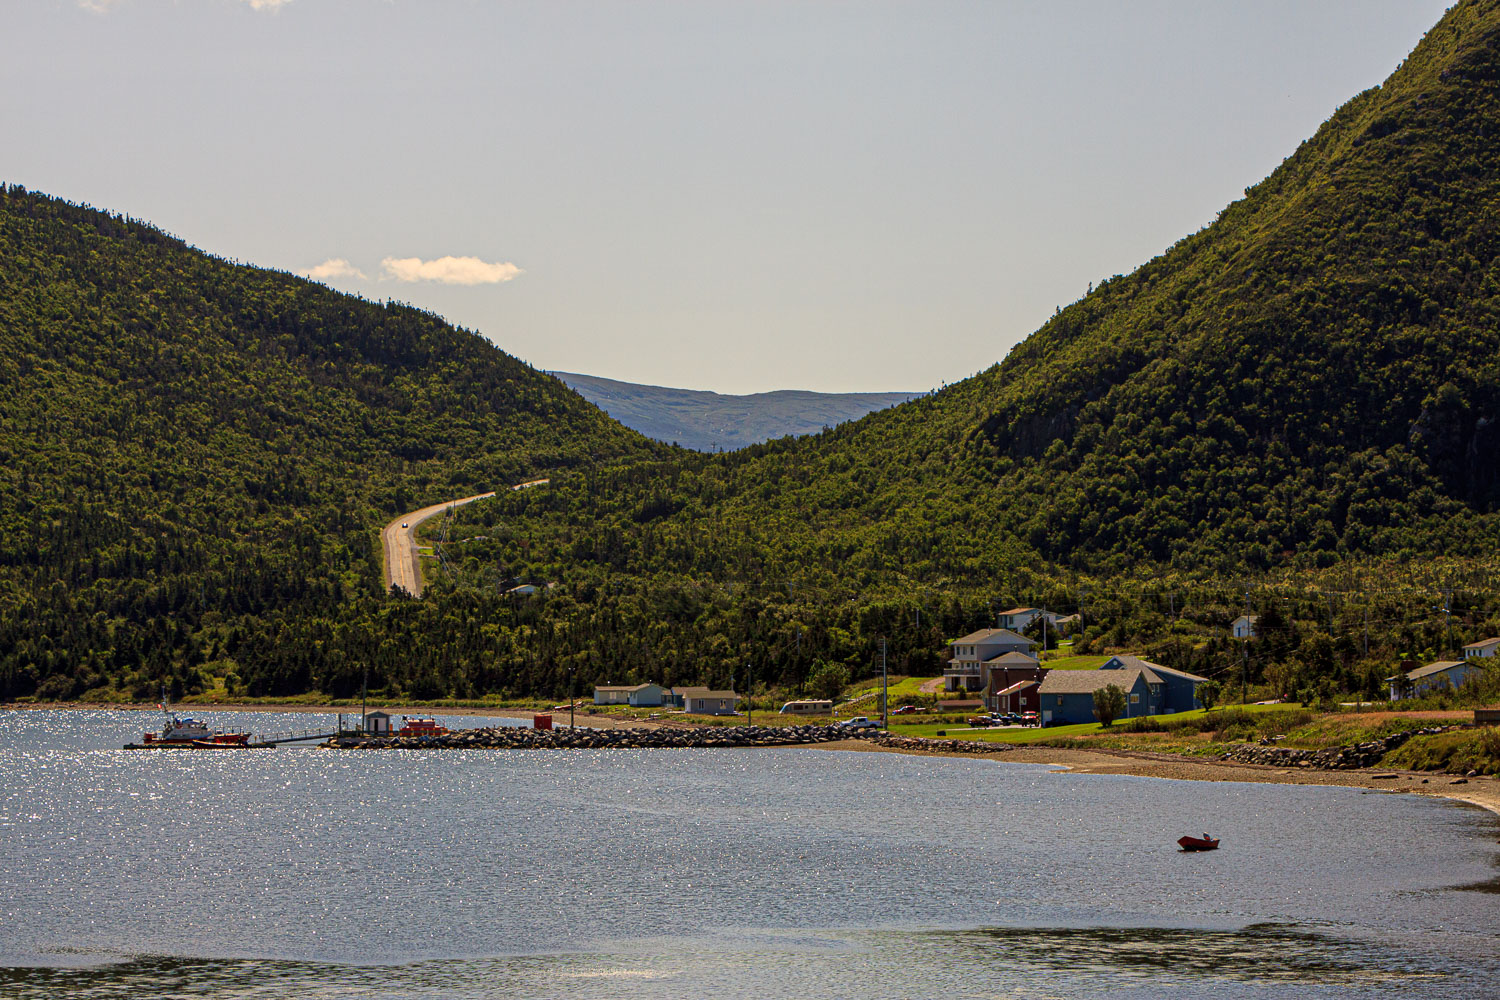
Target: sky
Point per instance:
(737, 196)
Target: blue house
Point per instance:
(1067, 696)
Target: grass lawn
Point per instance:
(1076, 663)
(1088, 732)
(902, 689)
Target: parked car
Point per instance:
(1007, 718)
(859, 722)
(905, 710)
(980, 721)
(1030, 719)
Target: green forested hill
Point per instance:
(193, 452)
(1310, 383)
(1296, 409)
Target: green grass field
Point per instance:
(1087, 729)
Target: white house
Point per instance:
(967, 668)
(1020, 619)
(378, 722)
(634, 695)
(1244, 626)
(524, 590)
(1482, 649)
(702, 701)
(1433, 677)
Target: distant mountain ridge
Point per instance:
(710, 421)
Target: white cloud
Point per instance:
(447, 270)
(333, 267)
(267, 4)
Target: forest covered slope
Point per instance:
(1309, 384)
(192, 451)
(1298, 400)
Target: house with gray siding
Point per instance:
(1433, 677)
(634, 695)
(968, 657)
(702, 701)
(1483, 649)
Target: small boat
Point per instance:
(421, 727)
(1203, 843)
(187, 734)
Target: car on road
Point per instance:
(905, 710)
(979, 721)
(859, 722)
(404, 524)
(1030, 719)
(1006, 718)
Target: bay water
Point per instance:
(794, 872)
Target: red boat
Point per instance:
(1203, 843)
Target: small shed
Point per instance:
(702, 701)
(378, 722)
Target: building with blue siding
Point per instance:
(1067, 696)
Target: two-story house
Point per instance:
(967, 670)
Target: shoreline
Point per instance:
(1480, 791)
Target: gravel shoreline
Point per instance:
(1481, 791)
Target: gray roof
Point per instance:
(622, 687)
(1013, 659)
(994, 635)
(1483, 643)
(706, 693)
(1136, 663)
(1089, 681)
(1433, 668)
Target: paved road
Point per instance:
(403, 566)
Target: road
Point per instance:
(403, 566)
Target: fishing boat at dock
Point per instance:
(188, 734)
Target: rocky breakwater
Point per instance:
(1345, 758)
(937, 746)
(512, 738)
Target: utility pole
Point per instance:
(364, 684)
(1367, 633)
(749, 695)
(1245, 651)
(1172, 604)
(885, 690)
(572, 686)
(1447, 607)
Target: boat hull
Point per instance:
(1197, 843)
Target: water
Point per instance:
(734, 873)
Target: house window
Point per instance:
(1059, 701)
(1135, 699)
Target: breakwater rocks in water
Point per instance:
(1346, 758)
(938, 746)
(510, 738)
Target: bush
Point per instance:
(1454, 752)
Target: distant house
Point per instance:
(1244, 626)
(1020, 619)
(1010, 681)
(702, 701)
(1180, 688)
(1067, 696)
(634, 695)
(524, 590)
(378, 722)
(967, 670)
(1433, 677)
(1482, 649)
